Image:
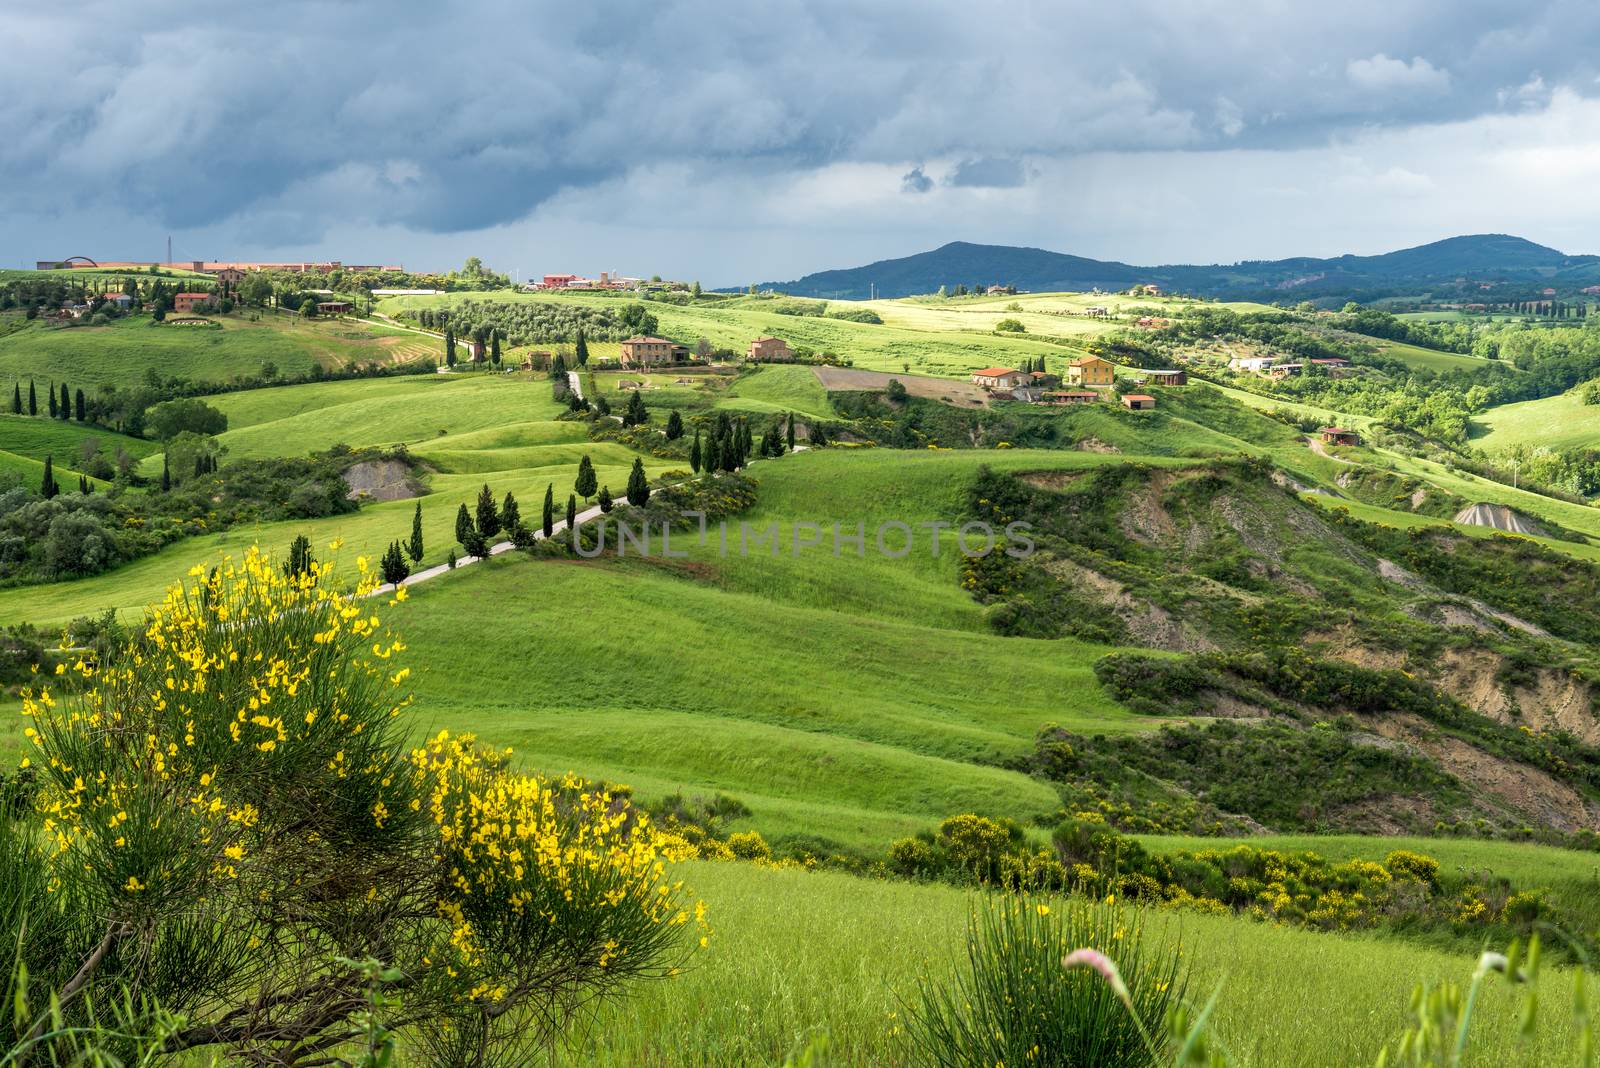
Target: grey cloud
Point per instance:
(914, 181)
(989, 173)
(301, 118)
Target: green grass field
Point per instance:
(797, 953)
(1559, 422)
(123, 352)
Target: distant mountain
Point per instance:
(1479, 257)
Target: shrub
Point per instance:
(231, 804)
(749, 845)
(1010, 326)
(975, 844)
(1403, 862)
(1012, 1002)
(913, 857)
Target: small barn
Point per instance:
(1165, 378)
(1138, 402)
(1338, 435)
(1071, 396)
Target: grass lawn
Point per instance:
(795, 953)
(123, 352)
(1559, 422)
(1427, 359)
(40, 436)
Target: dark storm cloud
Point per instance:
(292, 118)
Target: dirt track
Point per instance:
(962, 394)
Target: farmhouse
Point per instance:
(639, 351)
(1096, 311)
(333, 307)
(1071, 396)
(183, 303)
(1138, 402)
(1165, 378)
(1090, 371)
(230, 275)
(1150, 322)
(768, 348)
(1258, 364)
(1338, 435)
(121, 300)
(1000, 379)
(1285, 370)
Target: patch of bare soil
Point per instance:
(1144, 518)
(1053, 480)
(1254, 532)
(1538, 796)
(379, 480)
(1343, 643)
(948, 390)
(1148, 625)
(1094, 444)
(1556, 701)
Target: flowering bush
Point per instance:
(227, 809)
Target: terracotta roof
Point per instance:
(637, 340)
(1336, 430)
(1072, 393)
(1083, 361)
(995, 372)
(1137, 396)
(197, 296)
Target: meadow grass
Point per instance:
(1559, 422)
(40, 436)
(796, 953)
(127, 349)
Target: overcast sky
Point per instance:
(736, 143)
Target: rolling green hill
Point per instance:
(1560, 422)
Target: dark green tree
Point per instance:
(638, 485)
(464, 528)
(605, 498)
(48, 487)
(16, 398)
(547, 519)
(817, 438)
(83, 485)
(52, 392)
(33, 399)
(586, 482)
(789, 432)
(66, 402)
(674, 425)
(510, 515)
(572, 515)
(299, 562)
(393, 565)
(694, 452)
(635, 414)
(488, 514)
(558, 366)
(166, 474)
(713, 458)
(581, 350)
(78, 405)
(449, 347)
(602, 405)
(494, 348)
(414, 546)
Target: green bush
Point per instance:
(1011, 1002)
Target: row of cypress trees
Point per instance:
(64, 405)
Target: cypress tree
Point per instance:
(66, 402)
(494, 348)
(52, 393)
(581, 352)
(393, 565)
(83, 485)
(547, 521)
(16, 398)
(586, 481)
(572, 515)
(638, 485)
(414, 546)
(299, 561)
(449, 347)
(33, 399)
(602, 405)
(635, 414)
(674, 425)
(605, 499)
(510, 514)
(694, 453)
(199, 465)
(464, 527)
(558, 369)
(713, 457)
(48, 487)
(789, 434)
(488, 515)
(78, 404)
(818, 437)
(166, 474)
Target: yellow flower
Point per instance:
(133, 885)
